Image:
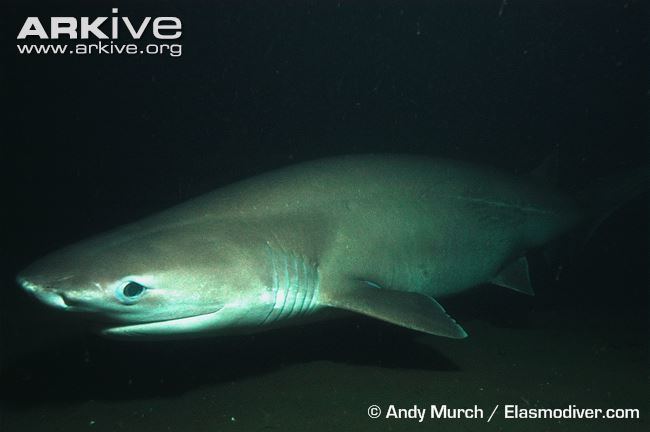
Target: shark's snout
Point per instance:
(43, 292)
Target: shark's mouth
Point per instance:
(171, 328)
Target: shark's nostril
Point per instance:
(69, 301)
(50, 297)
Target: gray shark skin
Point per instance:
(385, 236)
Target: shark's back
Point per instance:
(385, 179)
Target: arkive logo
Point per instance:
(82, 28)
(105, 31)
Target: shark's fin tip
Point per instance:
(515, 276)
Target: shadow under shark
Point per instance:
(384, 236)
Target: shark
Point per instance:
(386, 236)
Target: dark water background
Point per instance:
(93, 142)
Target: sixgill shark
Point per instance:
(384, 236)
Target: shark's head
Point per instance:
(154, 283)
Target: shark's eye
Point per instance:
(130, 292)
(132, 289)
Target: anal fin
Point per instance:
(515, 276)
(407, 309)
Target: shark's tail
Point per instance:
(602, 197)
(598, 201)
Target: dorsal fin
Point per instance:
(515, 277)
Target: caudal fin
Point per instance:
(604, 196)
(598, 200)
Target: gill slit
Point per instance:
(295, 285)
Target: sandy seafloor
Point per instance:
(554, 364)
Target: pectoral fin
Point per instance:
(515, 276)
(407, 309)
